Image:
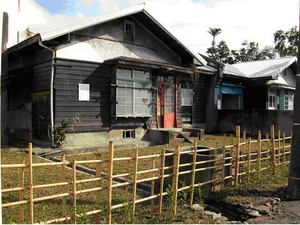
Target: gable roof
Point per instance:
(140, 13)
(259, 69)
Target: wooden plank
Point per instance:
(161, 189)
(237, 156)
(223, 161)
(30, 182)
(109, 179)
(135, 169)
(21, 193)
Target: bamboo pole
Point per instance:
(259, 153)
(74, 190)
(175, 177)
(109, 178)
(98, 184)
(223, 161)
(283, 142)
(279, 146)
(63, 188)
(243, 150)
(237, 155)
(193, 173)
(136, 155)
(152, 188)
(273, 148)
(249, 160)
(231, 157)
(162, 173)
(30, 182)
(215, 167)
(127, 171)
(268, 144)
(21, 193)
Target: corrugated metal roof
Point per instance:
(51, 34)
(259, 69)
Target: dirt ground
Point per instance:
(286, 212)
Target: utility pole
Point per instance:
(294, 174)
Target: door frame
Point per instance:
(162, 97)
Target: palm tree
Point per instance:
(214, 32)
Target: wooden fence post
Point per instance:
(127, 171)
(259, 153)
(74, 190)
(98, 184)
(63, 188)
(237, 155)
(243, 150)
(136, 155)
(224, 161)
(231, 158)
(21, 193)
(273, 148)
(283, 142)
(193, 172)
(30, 182)
(162, 174)
(175, 177)
(279, 147)
(109, 179)
(268, 144)
(215, 166)
(249, 160)
(152, 187)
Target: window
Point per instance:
(273, 100)
(133, 94)
(129, 30)
(288, 100)
(84, 92)
(186, 97)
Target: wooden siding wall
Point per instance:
(199, 101)
(94, 115)
(42, 77)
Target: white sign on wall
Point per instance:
(84, 92)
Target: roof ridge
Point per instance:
(263, 60)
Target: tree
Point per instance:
(221, 53)
(286, 42)
(214, 32)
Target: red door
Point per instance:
(166, 104)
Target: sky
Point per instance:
(189, 20)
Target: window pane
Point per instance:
(123, 72)
(141, 74)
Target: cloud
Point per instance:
(252, 20)
(33, 16)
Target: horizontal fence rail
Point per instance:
(227, 164)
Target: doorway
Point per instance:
(166, 98)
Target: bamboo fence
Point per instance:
(227, 164)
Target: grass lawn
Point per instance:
(51, 209)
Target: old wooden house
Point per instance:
(122, 74)
(256, 94)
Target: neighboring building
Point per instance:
(121, 74)
(256, 94)
(264, 84)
